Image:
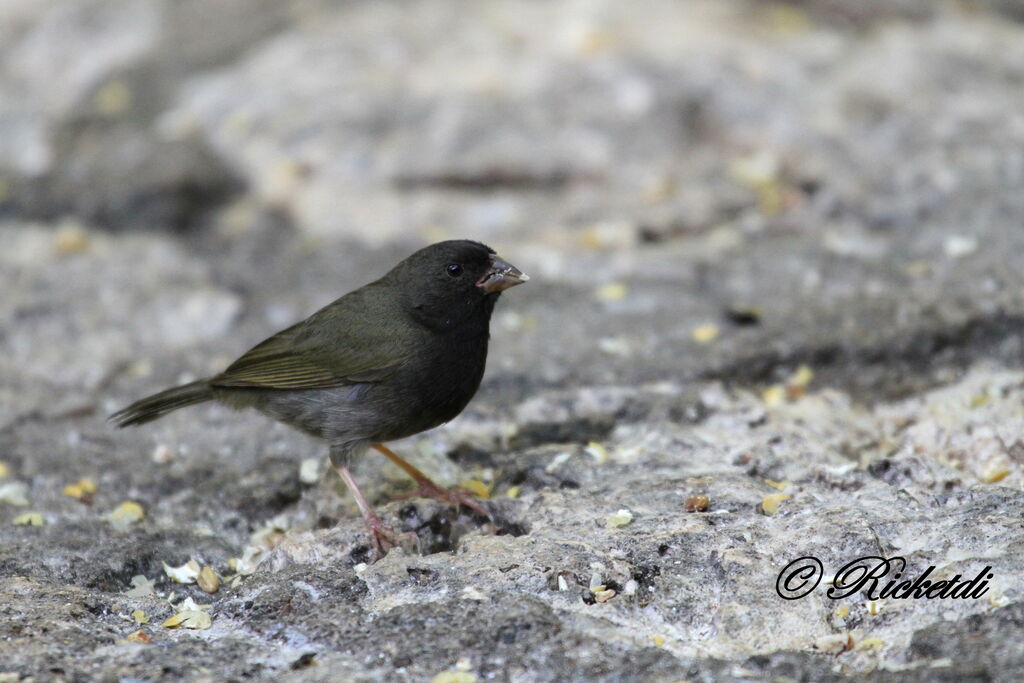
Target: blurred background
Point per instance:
(758, 234)
(782, 177)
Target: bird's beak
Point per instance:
(501, 276)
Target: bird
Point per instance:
(393, 358)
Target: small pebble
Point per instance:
(162, 454)
(834, 643)
(309, 471)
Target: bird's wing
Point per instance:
(322, 351)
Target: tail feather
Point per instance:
(156, 406)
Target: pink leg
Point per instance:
(382, 537)
(428, 489)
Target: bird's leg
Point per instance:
(428, 489)
(382, 537)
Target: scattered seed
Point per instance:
(658, 640)
(773, 396)
(28, 519)
(557, 462)
(473, 593)
(140, 636)
(780, 485)
(770, 504)
(139, 617)
(873, 607)
(615, 346)
(605, 595)
(513, 492)
(82, 490)
(705, 334)
(698, 503)
(192, 619)
(71, 238)
(598, 452)
(454, 677)
(208, 581)
(186, 573)
(5, 470)
(796, 385)
(871, 644)
(476, 487)
(141, 587)
(113, 98)
(14, 493)
(613, 291)
(994, 474)
(998, 600)
(126, 514)
(619, 519)
(190, 615)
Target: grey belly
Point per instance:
(339, 415)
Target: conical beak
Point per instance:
(501, 276)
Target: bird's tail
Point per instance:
(167, 401)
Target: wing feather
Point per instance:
(316, 354)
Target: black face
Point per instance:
(441, 282)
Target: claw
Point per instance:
(383, 538)
(428, 489)
(453, 496)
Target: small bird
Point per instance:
(393, 358)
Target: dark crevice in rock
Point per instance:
(439, 528)
(891, 370)
(492, 180)
(576, 430)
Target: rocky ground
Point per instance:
(775, 252)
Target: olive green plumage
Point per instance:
(390, 359)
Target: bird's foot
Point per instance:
(453, 496)
(383, 537)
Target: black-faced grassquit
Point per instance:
(391, 359)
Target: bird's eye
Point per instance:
(454, 269)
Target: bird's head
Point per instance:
(451, 281)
